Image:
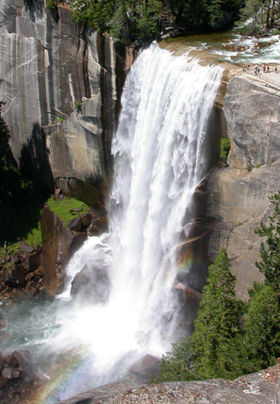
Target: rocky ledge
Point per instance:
(257, 388)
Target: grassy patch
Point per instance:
(28, 226)
(62, 207)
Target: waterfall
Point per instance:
(160, 156)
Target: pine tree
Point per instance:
(262, 327)
(270, 250)
(216, 324)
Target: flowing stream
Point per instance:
(160, 156)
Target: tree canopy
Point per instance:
(141, 21)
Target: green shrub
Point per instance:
(177, 365)
(51, 4)
(78, 106)
(224, 149)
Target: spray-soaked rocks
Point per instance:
(60, 242)
(91, 283)
(21, 270)
(43, 268)
(18, 376)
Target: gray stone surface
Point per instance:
(257, 388)
(237, 198)
(46, 67)
(252, 115)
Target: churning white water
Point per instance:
(160, 156)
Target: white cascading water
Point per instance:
(159, 159)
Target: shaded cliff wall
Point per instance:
(48, 67)
(237, 195)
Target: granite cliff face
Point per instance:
(237, 195)
(62, 89)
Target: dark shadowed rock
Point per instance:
(16, 277)
(75, 224)
(57, 192)
(3, 382)
(86, 219)
(15, 260)
(25, 247)
(75, 210)
(56, 240)
(92, 283)
(101, 223)
(10, 373)
(78, 240)
(146, 367)
(3, 325)
(18, 377)
(33, 262)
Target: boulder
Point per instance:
(56, 244)
(78, 240)
(15, 278)
(92, 284)
(3, 325)
(10, 373)
(18, 377)
(3, 381)
(101, 223)
(86, 219)
(75, 224)
(75, 210)
(33, 262)
(146, 367)
(25, 247)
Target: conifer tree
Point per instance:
(270, 250)
(216, 324)
(262, 327)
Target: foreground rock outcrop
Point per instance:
(256, 388)
(18, 377)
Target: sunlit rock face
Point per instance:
(48, 69)
(238, 194)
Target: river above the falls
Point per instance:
(230, 47)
